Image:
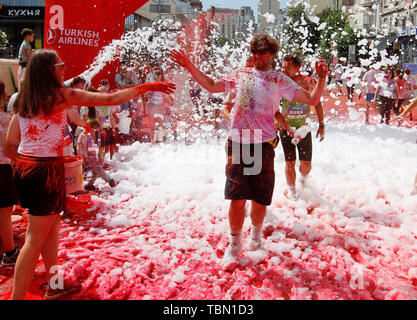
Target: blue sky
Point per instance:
(235, 4)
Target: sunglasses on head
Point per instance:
(61, 64)
(260, 51)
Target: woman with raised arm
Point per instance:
(34, 141)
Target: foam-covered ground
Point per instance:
(162, 232)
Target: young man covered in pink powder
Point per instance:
(250, 151)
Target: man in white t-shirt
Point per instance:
(250, 168)
(370, 83)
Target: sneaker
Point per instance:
(233, 251)
(10, 261)
(292, 194)
(54, 294)
(303, 181)
(255, 244)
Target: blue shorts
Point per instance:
(370, 97)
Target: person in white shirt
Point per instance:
(370, 83)
(259, 92)
(387, 93)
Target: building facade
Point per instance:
(16, 15)
(266, 8)
(156, 10)
(233, 24)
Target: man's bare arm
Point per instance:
(313, 98)
(211, 85)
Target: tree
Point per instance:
(337, 35)
(301, 33)
(3, 38)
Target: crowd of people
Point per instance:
(47, 121)
(388, 89)
(35, 139)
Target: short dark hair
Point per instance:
(264, 41)
(294, 59)
(26, 32)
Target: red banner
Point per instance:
(79, 29)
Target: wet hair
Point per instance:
(40, 91)
(76, 81)
(294, 59)
(264, 41)
(26, 32)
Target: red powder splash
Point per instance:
(33, 133)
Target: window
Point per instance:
(160, 8)
(24, 3)
(165, 8)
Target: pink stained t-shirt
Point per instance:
(43, 136)
(371, 82)
(258, 98)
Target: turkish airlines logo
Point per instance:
(52, 36)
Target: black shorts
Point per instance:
(8, 195)
(241, 180)
(107, 138)
(305, 148)
(40, 184)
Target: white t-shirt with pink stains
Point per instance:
(43, 136)
(258, 98)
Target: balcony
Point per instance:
(367, 3)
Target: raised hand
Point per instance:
(165, 87)
(321, 68)
(320, 132)
(181, 58)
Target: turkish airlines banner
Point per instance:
(79, 29)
